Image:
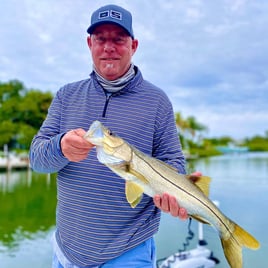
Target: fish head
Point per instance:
(111, 149)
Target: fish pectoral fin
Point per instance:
(138, 175)
(202, 182)
(136, 202)
(199, 218)
(134, 193)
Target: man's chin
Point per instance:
(110, 73)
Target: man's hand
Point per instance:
(74, 147)
(169, 204)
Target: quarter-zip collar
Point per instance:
(132, 86)
(115, 85)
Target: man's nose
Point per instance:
(109, 46)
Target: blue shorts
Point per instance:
(142, 256)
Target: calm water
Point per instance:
(240, 184)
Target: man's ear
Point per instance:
(135, 44)
(89, 42)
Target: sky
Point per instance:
(209, 56)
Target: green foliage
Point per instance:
(7, 130)
(25, 135)
(204, 149)
(257, 143)
(191, 134)
(221, 141)
(189, 125)
(22, 113)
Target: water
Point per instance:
(27, 219)
(239, 183)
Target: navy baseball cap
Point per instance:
(112, 14)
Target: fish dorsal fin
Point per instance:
(202, 182)
(133, 193)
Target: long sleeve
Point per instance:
(45, 152)
(167, 146)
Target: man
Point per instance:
(95, 226)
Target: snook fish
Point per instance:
(145, 174)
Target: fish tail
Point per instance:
(232, 246)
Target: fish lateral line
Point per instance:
(183, 190)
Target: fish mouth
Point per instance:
(95, 134)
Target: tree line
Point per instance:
(23, 111)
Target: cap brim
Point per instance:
(92, 27)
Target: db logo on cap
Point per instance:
(110, 13)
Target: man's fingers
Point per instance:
(170, 205)
(79, 132)
(74, 146)
(157, 200)
(161, 202)
(183, 215)
(174, 207)
(165, 203)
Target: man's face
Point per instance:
(111, 49)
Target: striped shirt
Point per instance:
(94, 221)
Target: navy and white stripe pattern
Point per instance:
(94, 221)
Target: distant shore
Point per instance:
(13, 162)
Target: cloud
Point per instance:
(209, 56)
